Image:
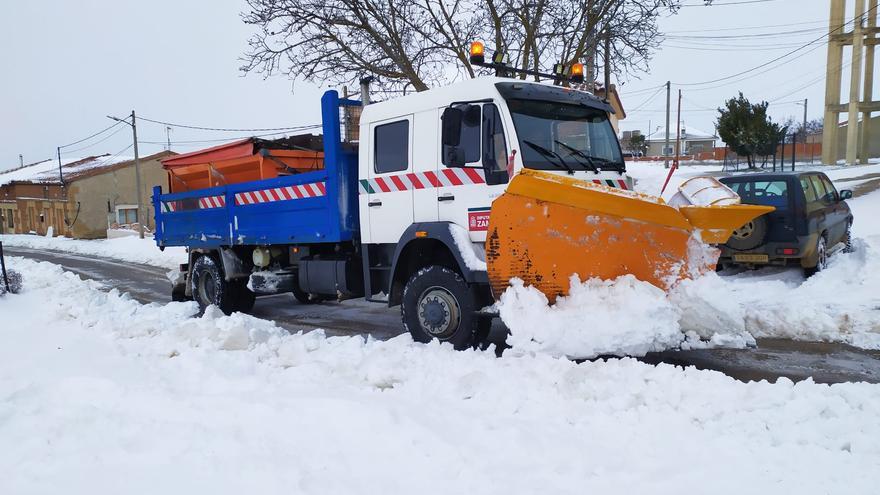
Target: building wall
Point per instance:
(33, 207)
(95, 198)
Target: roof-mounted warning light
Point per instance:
(577, 73)
(478, 52)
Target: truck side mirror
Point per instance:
(453, 155)
(451, 134)
(845, 194)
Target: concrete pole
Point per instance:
(832, 85)
(855, 84)
(666, 146)
(137, 176)
(868, 94)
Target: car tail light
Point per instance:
(787, 251)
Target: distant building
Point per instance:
(693, 141)
(96, 193)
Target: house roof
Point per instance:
(688, 133)
(46, 171)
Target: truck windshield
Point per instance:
(555, 136)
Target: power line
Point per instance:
(91, 136)
(227, 139)
(96, 142)
(767, 26)
(649, 100)
(765, 64)
(775, 34)
(221, 129)
(741, 2)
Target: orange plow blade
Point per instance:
(547, 227)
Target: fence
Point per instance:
(788, 153)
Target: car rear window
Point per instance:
(762, 192)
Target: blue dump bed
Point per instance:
(309, 207)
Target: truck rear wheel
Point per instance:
(439, 304)
(209, 286)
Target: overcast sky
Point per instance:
(66, 65)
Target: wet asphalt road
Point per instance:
(773, 358)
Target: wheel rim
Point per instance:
(745, 231)
(207, 288)
(439, 312)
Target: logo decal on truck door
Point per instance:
(478, 219)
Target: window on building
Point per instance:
(126, 216)
(392, 147)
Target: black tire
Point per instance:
(439, 304)
(847, 239)
(749, 236)
(243, 299)
(821, 258)
(209, 287)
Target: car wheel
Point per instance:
(438, 305)
(749, 236)
(209, 286)
(821, 257)
(847, 239)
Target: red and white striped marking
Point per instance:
(301, 191)
(618, 183)
(212, 202)
(423, 180)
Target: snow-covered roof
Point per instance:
(688, 133)
(46, 172)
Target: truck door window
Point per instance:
(391, 144)
(494, 147)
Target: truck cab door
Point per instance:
(465, 194)
(389, 199)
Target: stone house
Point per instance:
(89, 196)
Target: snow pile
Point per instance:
(621, 317)
(102, 395)
(133, 249)
(629, 317)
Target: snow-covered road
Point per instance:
(100, 394)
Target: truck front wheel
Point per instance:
(439, 304)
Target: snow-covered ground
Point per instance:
(99, 394)
(628, 317)
(132, 249)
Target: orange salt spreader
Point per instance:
(547, 227)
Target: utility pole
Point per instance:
(608, 64)
(666, 146)
(137, 170)
(60, 173)
(168, 138)
(137, 176)
(678, 133)
(804, 128)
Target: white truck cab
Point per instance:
(445, 154)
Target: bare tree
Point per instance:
(416, 44)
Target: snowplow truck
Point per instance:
(432, 202)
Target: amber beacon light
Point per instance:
(478, 52)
